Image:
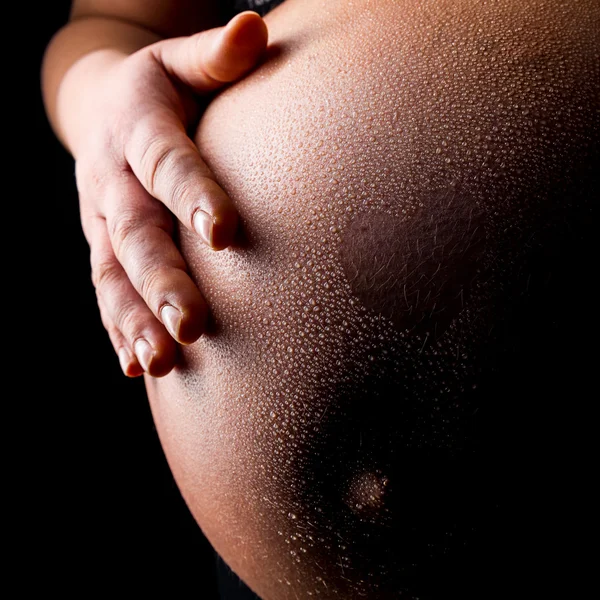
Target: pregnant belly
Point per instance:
(394, 174)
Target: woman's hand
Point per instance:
(135, 165)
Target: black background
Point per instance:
(94, 504)
(96, 507)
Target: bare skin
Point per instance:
(321, 432)
(121, 98)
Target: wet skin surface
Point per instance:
(402, 170)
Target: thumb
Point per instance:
(208, 60)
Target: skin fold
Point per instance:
(407, 174)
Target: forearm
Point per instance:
(73, 64)
(97, 35)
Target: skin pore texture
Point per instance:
(401, 170)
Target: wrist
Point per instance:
(79, 94)
(86, 41)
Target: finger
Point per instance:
(159, 151)
(127, 359)
(140, 231)
(167, 163)
(123, 307)
(208, 60)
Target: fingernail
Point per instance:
(124, 359)
(144, 353)
(203, 224)
(171, 319)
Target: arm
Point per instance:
(121, 99)
(98, 33)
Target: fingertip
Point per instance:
(129, 363)
(157, 359)
(163, 362)
(188, 324)
(225, 227)
(248, 28)
(193, 324)
(134, 370)
(172, 319)
(217, 226)
(238, 48)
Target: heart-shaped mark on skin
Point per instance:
(416, 270)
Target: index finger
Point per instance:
(169, 166)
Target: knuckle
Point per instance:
(127, 319)
(89, 178)
(124, 228)
(105, 271)
(156, 159)
(94, 223)
(186, 193)
(100, 158)
(163, 165)
(151, 283)
(95, 183)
